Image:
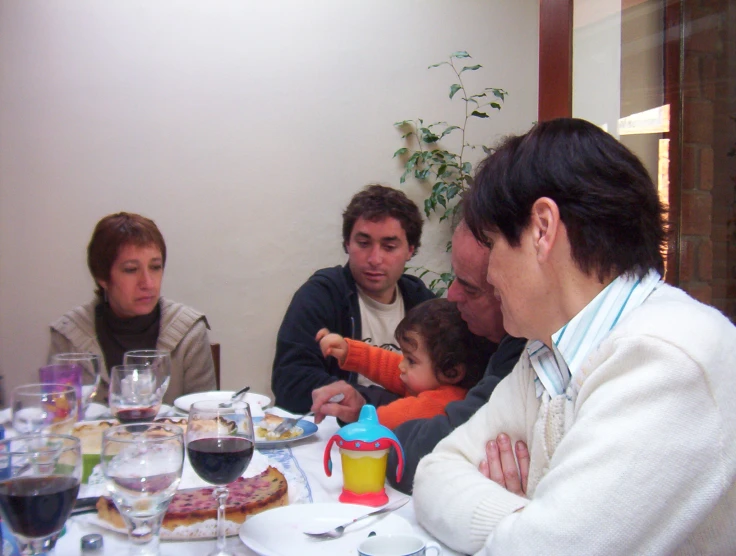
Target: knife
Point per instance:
(85, 505)
(88, 504)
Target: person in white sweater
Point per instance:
(625, 392)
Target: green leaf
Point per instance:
(407, 135)
(480, 95)
(454, 88)
(421, 175)
(439, 64)
(478, 114)
(429, 137)
(447, 277)
(496, 105)
(449, 130)
(439, 292)
(441, 169)
(467, 167)
(460, 54)
(498, 93)
(403, 123)
(471, 68)
(487, 150)
(442, 201)
(402, 150)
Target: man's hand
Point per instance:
(347, 410)
(500, 465)
(332, 344)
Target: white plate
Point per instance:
(183, 403)
(278, 532)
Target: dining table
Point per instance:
(303, 461)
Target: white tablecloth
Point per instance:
(309, 455)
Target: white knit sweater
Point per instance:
(642, 460)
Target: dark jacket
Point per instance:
(329, 299)
(420, 436)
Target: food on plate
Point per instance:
(266, 426)
(193, 506)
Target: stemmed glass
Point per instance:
(39, 482)
(135, 393)
(158, 359)
(220, 446)
(143, 465)
(44, 408)
(90, 364)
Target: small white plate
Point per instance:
(183, 403)
(278, 532)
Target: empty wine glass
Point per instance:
(158, 359)
(91, 365)
(39, 483)
(44, 408)
(220, 446)
(143, 465)
(135, 393)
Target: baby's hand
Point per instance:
(332, 344)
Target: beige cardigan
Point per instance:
(183, 332)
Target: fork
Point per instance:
(337, 532)
(288, 423)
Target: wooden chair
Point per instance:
(216, 358)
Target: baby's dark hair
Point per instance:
(447, 338)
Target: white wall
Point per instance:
(242, 128)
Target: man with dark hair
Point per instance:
(624, 393)
(364, 300)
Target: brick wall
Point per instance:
(707, 228)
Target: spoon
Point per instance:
(337, 532)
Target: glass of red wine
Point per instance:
(39, 483)
(135, 393)
(220, 445)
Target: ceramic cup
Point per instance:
(397, 545)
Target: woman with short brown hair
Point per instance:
(126, 257)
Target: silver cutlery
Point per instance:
(240, 392)
(288, 423)
(337, 532)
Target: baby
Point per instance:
(441, 360)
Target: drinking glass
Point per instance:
(143, 465)
(44, 408)
(135, 393)
(91, 365)
(220, 446)
(158, 359)
(39, 483)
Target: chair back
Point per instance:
(216, 358)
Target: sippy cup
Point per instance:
(364, 449)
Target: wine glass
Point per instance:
(91, 365)
(44, 408)
(143, 465)
(39, 483)
(158, 359)
(135, 393)
(220, 446)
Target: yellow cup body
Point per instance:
(363, 472)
